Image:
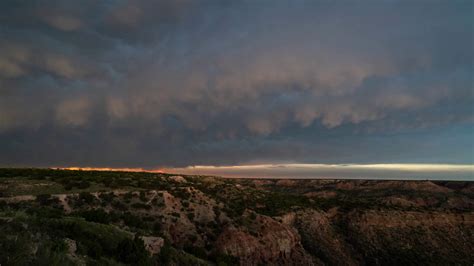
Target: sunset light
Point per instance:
(236, 132)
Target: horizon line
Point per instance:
(387, 166)
(381, 171)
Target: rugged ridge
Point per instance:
(87, 217)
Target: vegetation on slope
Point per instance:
(62, 217)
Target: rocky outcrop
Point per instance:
(322, 240)
(321, 194)
(177, 178)
(71, 247)
(418, 186)
(404, 236)
(153, 244)
(263, 241)
(384, 236)
(286, 183)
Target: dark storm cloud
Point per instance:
(178, 82)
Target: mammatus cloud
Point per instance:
(73, 112)
(176, 83)
(62, 22)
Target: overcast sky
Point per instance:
(176, 83)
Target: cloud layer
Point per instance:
(179, 82)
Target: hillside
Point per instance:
(62, 217)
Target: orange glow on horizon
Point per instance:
(111, 169)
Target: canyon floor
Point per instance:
(64, 217)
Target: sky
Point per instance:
(180, 83)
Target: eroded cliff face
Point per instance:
(263, 241)
(323, 239)
(310, 237)
(413, 223)
(403, 237)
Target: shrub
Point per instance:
(93, 239)
(196, 251)
(193, 238)
(86, 197)
(128, 196)
(119, 205)
(107, 181)
(84, 185)
(15, 250)
(157, 227)
(191, 216)
(224, 260)
(133, 252)
(132, 220)
(98, 216)
(139, 205)
(148, 219)
(165, 253)
(253, 216)
(107, 197)
(43, 199)
(143, 196)
(216, 210)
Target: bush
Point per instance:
(165, 253)
(97, 216)
(132, 220)
(128, 196)
(216, 211)
(86, 197)
(143, 196)
(139, 205)
(107, 197)
(253, 216)
(196, 251)
(15, 250)
(84, 185)
(119, 205)
(43, 199)
(224, 260)
(133, 252)
(107, 181)
(45, 212)
(191, 216)
(193, 238)
(93, 239)
(157, 227)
